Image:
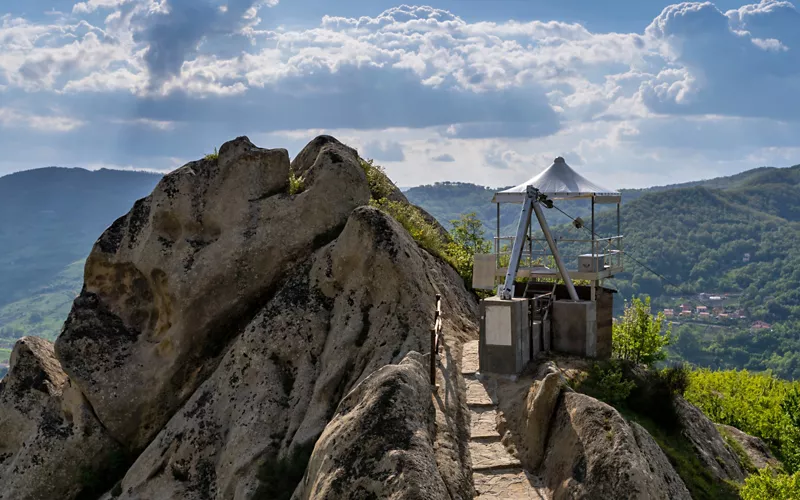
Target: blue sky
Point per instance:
(632, 93)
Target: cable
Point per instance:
(627, 254)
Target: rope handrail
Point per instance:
(436, 337)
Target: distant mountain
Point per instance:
(49, 220)
(736, 235)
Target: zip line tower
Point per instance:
(538, 307)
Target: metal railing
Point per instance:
(536, 252)
(436, 337)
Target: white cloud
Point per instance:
(512, 94)
(11, 118)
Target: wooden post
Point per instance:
(433, 357)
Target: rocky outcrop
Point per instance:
(171, 284)
(359, 304)
(593, 453)
(380, 442)
(540, 405)
(51, 444)
(757, 451)
(716, 455)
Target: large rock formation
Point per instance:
(169, 285)
(51, 444)
(357, 305)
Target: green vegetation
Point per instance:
(646, 396)
(638, 337)
(49, 219)
(296, 183)
(467, 240)
(279, 476)
(771, 484)
(756, 403)
(212, 156)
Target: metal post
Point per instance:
(594, 242)
(497, 240)
(516, 252)
(619, 239)
(562, 269)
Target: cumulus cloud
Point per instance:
(743, 62)
(131, 71)
(173, 35)
(444, 158)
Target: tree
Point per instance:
(637, 337)
(467, 240)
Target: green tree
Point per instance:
(769, 484)
(467, 240)
(637, 337)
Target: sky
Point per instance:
(632, 93)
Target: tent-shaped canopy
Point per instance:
(559, 182)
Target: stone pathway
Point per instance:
(496, 473)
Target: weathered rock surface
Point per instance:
(49, 437)
(359, 304)
(540, 405)
(593, 452)
(756, 449)
(168, 286)
(380, 441)
(712, 450)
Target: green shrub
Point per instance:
(637, 337)
(466, 241)
(756, 403)
(379, 184)
(772, 485)
(213, 156)
(412, 220)
(296, 184)
(611, 386)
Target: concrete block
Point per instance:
(504, 346)
(547, 335)
(575, 328)
(536, 338)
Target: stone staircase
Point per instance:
(496, 473)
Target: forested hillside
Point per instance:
(49, 219)
(734, 238)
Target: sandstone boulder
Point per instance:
(757, 450)
(353, 307)
(540, 405)
(593, 452)
(172, 283)
(380, 442)
(51, 444)
(709, 445)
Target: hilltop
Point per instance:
(259, 328)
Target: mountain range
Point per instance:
(733, 237)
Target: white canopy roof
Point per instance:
(559, 182)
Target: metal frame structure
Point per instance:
(529, 256)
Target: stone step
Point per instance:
(477, 393)
(508, 484)
(483, 423)
(490, 454)
(469, 358)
